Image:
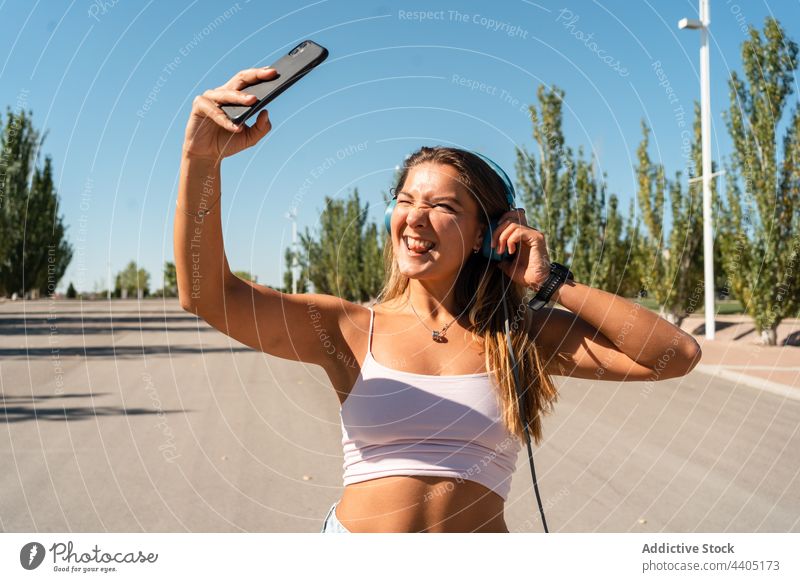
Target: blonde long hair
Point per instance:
(480, 285)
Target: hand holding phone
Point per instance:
(291, 68)
(216, 127)
(210, 134)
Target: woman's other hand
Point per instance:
(529, 264)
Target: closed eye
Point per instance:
(397, 196)
(450, 208)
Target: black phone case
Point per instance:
(291, 68)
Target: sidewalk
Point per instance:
(736, 354)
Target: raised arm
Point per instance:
(602, 336)
(301, 327)
(607, 337)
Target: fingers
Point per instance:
(222, 96)
(501, 236)
(512, 239)
(516, 215)
(209, 109)
(259, 129)
(512, 234)
(250, 77)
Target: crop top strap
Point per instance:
(371, 323)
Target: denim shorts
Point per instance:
(331, 524)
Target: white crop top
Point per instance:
(402, 423)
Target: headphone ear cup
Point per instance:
(487, 249)
(387, 216)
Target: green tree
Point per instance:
(687, 232)
(651, 185)
(34, 254)
(170, 280)
(545, 186)
(344, 258)
(565, 199)
(71, 292)
(132, 282)
(760, 230)
(633, 257)
(288, 274)
(372, 273)
(599, 251)
(616, 268)
(587, 245)
(673, 261)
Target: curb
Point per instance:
(790, 392)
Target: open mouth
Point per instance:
(416, 247)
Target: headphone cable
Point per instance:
(520, 399)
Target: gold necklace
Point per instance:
(437, 336)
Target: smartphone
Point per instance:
(291, 67)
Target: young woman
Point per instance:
(430, 420)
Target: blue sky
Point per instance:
(112, 83)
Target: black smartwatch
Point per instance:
(558, 274)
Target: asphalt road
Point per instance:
(136, 416)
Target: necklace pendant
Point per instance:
(436, 336)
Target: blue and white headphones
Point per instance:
(486, 248)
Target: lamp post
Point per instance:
(705, 129)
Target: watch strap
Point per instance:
(558, 275)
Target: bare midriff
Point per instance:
(418, 503)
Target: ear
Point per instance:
(481, 233)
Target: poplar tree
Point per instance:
(34, 254)
(760, 228)
(616, 269)
(170, 280)
(567, 201)
(674, 260)
(651, 186)
(288, 273)
(345, 257)
(132, 282)
(634, 251)
(545, 185)
(587, 245)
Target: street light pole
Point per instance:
(705, 130)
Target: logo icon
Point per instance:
(31, 555)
